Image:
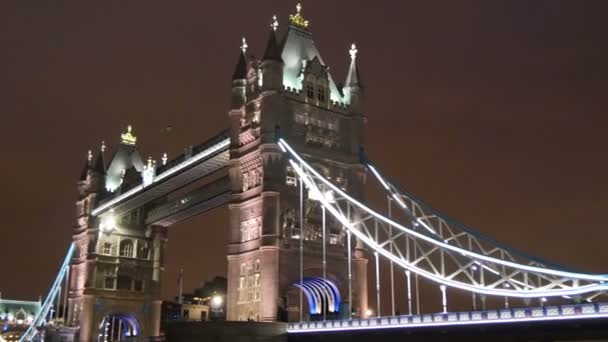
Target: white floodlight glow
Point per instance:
(594, 277)
(217, 301)
(217, 147)
(434, 277)
(378, 176)
(108, 223)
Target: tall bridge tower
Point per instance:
(114, 287)
(290, 92)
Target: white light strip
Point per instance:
(396, 195)
(595, 277)
(378, 176)
(219, 146)
(444, 324)
(431, 276)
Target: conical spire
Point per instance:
(87, 166)
(240, 72)
(353, 79)
(272, 51)
(100, 165)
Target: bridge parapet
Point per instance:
(547, 313)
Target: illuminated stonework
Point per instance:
(290, 92)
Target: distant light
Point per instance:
(543, 299)
(369, 313)
(217, 301)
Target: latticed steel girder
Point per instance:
(426, 243)
(48, 305)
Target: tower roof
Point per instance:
(299, 48)
(126, 156)
(87, 166)
(240, 71)
(100, 165)
(272, 51)
(353, 79)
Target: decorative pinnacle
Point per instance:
(103, 146)
(275, 23)
(128, 138)
(149, 162)
(244, 45)
(297, 19)
(90, 156)
(353, 51)
(164, 159)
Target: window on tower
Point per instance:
(107, 248)
(321, 93)
(109, 283)
(126, 248)
(124, 283)
(310, 91)
(290, 177)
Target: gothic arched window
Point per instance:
(321, 93)
(310, 90)
(126, 248)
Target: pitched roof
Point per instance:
(298, 47)
(125, 157)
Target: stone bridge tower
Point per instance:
(290, 92)
(115, 270)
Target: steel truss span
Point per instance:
(440, 250)
(49, 311)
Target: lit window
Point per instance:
(290, 177)
(107, 248)
(126, 248)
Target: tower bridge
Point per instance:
(291, 171)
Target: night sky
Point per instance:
(495, 112)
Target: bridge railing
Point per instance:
(547, 313)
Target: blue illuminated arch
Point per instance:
(322, 294)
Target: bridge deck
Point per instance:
(210, 157)
(489, 317)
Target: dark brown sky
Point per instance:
(493, 111)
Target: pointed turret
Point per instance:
(100, 165)
(353, 89)
(272, 63)
(273, 51)
(240, 71)
(239, 78)
(87, 166)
